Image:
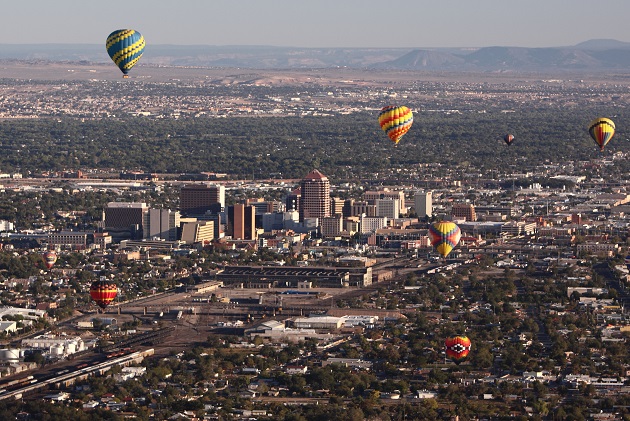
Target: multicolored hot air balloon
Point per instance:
(125, 47)
(103, 292)
(457, 348)
(50, 257)
(601, 130)
(508, 139)
(444, 236)
(395, 121)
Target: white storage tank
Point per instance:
(9, 354)
(71, 347)
(57, 350)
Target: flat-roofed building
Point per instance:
(197, 232)
(291, 276)
(74, 239)
(199, 198)
(464, 210)
(331, 226)
(372, 196)
(323, 322)
(423, 203)
(161, 224)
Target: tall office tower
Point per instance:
(387, 207)
(264, 206)
(331, 226)
(423, 202)
(315, 201)
(336, 206)
(292, 202)
(197, 199)
(161, 223)
(360, 208)
(241, 222)
(463, 210)
(347, 207)
(124, 220)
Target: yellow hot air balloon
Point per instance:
(395, 121)
(444, 236)
(601, 130)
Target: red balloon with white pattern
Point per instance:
(457, 348)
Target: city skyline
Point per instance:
(322, 24)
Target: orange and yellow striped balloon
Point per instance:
(395, 121)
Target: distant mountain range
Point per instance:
(593, 55)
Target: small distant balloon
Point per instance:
(601, 130)
(395, 121)
(457, 348)
(444, 236)
(508, 139)
(50, 257)
(125, 47)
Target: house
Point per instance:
(8, 326)
(296, 369)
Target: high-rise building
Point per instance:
(161, 224)
(336, 206)
(331, 226)
(372, 223)
(124, 220)
(197, 199)
(262, 206)
(388, 207)
(315, 202)
(423, 202)
(360, 208)
(463, 210)
(292, 202)
(197, 232)
(372, 196)
(242, 222)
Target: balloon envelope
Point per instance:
(457, 348)
(395, 121)
(125, 47)
(601, 130)
(444, 236)
(103, 292)
(508, 138)
(50, 257)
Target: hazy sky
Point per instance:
(320, 23)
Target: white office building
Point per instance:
(423, 202)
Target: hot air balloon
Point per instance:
(457, 348)
(444, 236)
(508, 139)
(395, 121)
(125, 47)
(103, 292)
(601, 130)
(50, 257)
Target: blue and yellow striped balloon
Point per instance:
(125, 47)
